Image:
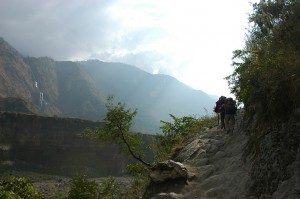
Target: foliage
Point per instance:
(81, 188)
(137, 189)
(117, 130)
(267, 80)
(176, 132)
(18, 188)
(108, 189)
(140, 173)
(173, 134)
(266, 76)
(267, 71)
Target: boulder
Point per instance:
(171, 195)
(168, 170)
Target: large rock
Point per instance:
(168, 170)
(171, 195)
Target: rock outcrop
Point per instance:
(168, 170)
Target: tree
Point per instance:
(117, 130)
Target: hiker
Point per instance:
(219, 110)
(230, 109)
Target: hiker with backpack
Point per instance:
(230, 110)
(221, 111)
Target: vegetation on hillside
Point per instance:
(267, 80)
(176, 133)
(267, 71)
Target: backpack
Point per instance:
(230, 106)
(219, 104)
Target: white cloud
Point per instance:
(190, 40)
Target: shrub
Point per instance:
(177, 132)
(82, 188)
(18, 188)
(108, 189)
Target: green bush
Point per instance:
(18, 188)
(108, 189)
(176, 133)
(82, 188)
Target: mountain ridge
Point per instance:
(79, 89)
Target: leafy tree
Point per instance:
(117, 130)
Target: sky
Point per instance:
(191, 40)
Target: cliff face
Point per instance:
(52, 145)
(46, 91)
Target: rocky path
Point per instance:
(215, 166)
(218, 171)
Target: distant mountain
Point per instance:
(155, 96)
(79, 89)
(67, 89)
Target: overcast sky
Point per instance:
(191, 40)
